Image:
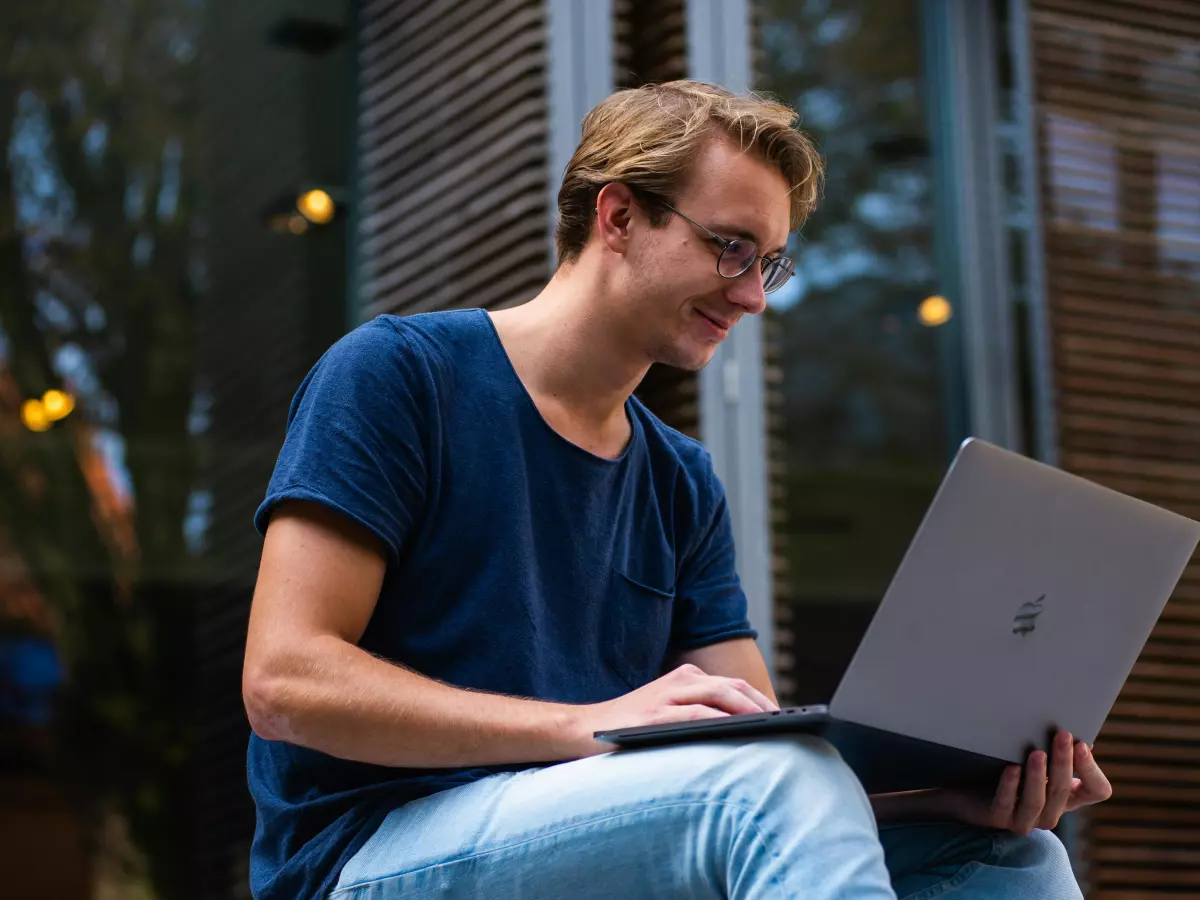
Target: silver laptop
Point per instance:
(1019, 609)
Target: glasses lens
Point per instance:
(776, 272)
(737, 258)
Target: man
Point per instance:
(481, 549)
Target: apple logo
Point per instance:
(1026, 618)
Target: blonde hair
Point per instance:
(649, 137)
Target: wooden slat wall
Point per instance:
(1118, 106)
(782, 575)
(453, 154)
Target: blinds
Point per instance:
(1118, 110)
(453, 154)
(650, 41)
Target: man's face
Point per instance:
(681, 305)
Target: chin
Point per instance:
(690, 358)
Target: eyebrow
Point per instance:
(747, 236)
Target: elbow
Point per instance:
(264, 696)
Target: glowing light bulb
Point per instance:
(33, 414)
(57, 404)
(316, 206)
(934, 311)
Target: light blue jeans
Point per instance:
(780, 818)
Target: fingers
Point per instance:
(1004, 805)
(696, 712)
(1062, 774)
(760, 699)
(1033, 794)
(1094, 786)
(719, 693)
(730, 695)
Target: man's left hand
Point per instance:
(1069, 779)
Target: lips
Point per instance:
(723, 324)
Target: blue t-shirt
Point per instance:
(518, 562)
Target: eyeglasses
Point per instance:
(739, 255)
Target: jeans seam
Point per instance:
(960, 877)
(344, 890)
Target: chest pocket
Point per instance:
(636, 629)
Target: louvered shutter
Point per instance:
(1118, 111)
(453, 154)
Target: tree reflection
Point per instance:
(99, 242)
(863, 390)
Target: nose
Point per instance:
(746, 291)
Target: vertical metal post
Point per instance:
(961, 77)
(1020, 45)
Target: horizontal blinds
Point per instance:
(1118, 108)
(452, 154)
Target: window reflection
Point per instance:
(145, 366)
(860, 335)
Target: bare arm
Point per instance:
(307, 682)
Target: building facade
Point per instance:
(1009, 247)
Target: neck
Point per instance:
(565, 348)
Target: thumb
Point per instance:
(1094, 786)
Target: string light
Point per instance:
(934, 311)
(33, 415)
(316, 206)
(57, 404)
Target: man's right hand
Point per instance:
(682, 695)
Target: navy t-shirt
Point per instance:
(517, 563)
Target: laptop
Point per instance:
(1019, 610)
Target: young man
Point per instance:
(481, 549)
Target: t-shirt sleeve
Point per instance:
(710, 605)
(355, 436)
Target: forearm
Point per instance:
(334, 697)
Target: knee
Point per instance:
(1043, 856)
(1042, 850)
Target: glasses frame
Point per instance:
(726, 243)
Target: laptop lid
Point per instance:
(1020, 607)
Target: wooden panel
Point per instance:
(650, 41)
(1118, 104)
(452, 154)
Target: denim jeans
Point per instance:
(777, 818)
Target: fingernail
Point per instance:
(1064, 740)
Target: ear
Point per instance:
(616, 210)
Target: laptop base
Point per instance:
(884, 762)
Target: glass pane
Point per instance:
(860, 336)
(161, 296)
